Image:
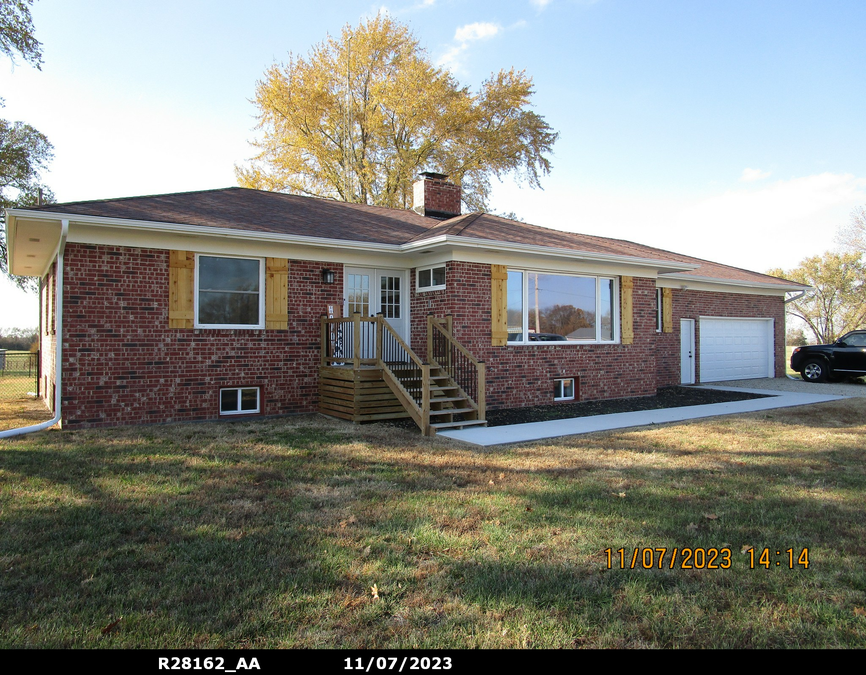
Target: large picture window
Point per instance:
(561, 308)
(229, 292)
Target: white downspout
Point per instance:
(58, 347)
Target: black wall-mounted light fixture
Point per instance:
(327, 276)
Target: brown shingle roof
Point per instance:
(487, 226)
(272, 212)
(258, 211)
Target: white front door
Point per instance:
(687, 351)
(370, 291)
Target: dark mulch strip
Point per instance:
(667, 397)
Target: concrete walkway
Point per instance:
(798, 385)
(533, 431)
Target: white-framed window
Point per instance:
(430, 278)
(239, 401)
(563, 390)
(545, 307)
(658, 310)
(229, 292)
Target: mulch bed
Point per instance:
(667, 397)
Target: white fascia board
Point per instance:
(207, 231)
(693, 281)
(442, 241)
(533, 249)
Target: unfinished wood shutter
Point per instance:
(499, 305)
(627, 310)
(667, 310)
(181, 282)
(277, 294)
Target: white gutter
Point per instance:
(205, 230)
(441, 240)
(58, 347)
(553, 251)
(789, 287)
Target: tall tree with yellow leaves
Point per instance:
(836, 303)
(360, 117)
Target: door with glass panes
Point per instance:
(370, 291)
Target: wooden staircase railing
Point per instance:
(457, 362)
(428, 392)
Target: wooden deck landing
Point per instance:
(359, 395)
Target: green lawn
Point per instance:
(302, 532)
(16, 378)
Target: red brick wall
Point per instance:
(439, 196)
(688, 304)
(523, 375)
(124, 365)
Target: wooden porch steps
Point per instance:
(369, 373)
(450, 411)
(458, 425)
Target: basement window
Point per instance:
(239, 401)
(563, 390)
(431, 279)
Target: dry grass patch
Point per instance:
(304, 532)
(22, 411)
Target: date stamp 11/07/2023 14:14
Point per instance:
(704, 558)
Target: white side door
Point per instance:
(687, 351)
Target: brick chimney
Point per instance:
(435, 197)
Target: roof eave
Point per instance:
(205, 230)
(664, 266)
(789, 286)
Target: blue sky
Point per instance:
(730, 130)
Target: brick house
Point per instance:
(210, 304)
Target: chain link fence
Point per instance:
(19, 374)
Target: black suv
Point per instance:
(845, 357)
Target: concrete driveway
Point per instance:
(798, 386)
(781, 393)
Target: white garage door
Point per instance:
(736, 349)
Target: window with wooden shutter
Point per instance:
(627, 310)
(498, 301)
(667, 310)
(181, 280)
(277, 294)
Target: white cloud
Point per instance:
(464, 36)
(758, 228)
(540, 4)
(479, 30)
(750, 175)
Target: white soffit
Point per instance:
(31, 245)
